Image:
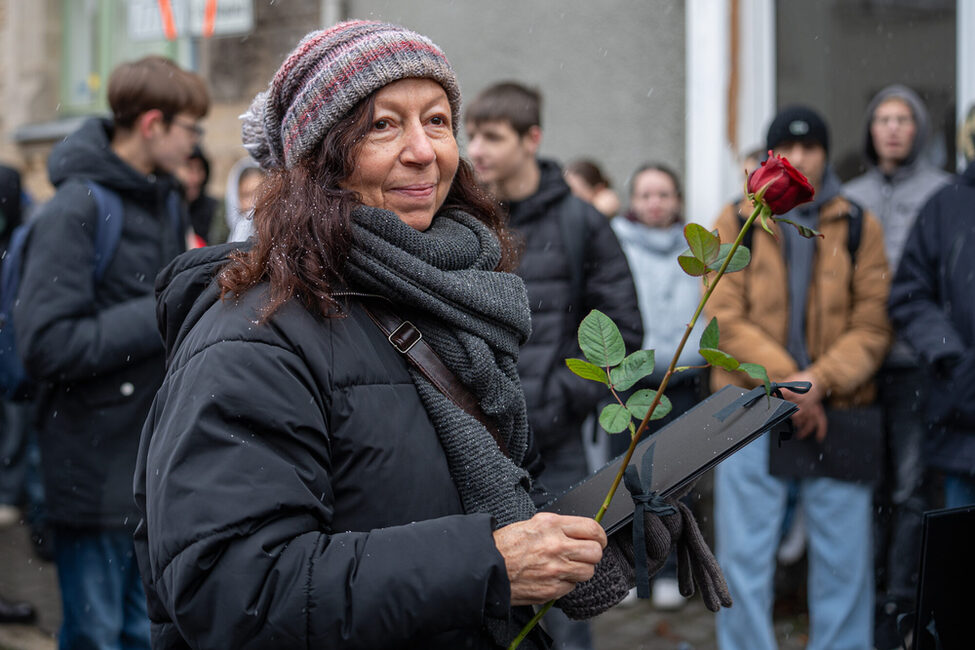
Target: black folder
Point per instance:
(683, 450)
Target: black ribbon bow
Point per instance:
(645, 500)
(758, 392)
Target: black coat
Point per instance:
(295, 491)
(558, 401)
(932, 303)
(96, 348)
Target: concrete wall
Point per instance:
(611, 72)
(845, 52)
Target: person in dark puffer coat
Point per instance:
(572, 263)
(931, 306)
(94, 347)
(302, 483)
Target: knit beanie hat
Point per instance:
(327, 75)
(797, 124)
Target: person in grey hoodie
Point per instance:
(895, 187)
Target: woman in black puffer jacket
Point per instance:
(304, 485)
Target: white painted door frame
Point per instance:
(964, 62)
(713, 174)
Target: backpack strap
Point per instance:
(575, 238)
(174, 210)
(13, 261)
(108, 226)
(856, 231)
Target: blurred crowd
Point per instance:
(877, 314)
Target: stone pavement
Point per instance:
(636, 627)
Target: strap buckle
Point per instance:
(404, 337)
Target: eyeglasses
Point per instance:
(192, 127)
(895, 120)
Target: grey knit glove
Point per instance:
(610, 583)
(696, 564)
(614, 576)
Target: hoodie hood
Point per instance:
(232, 194)
(185, 290)
(921, 120)
(87, 154)
(552, 188)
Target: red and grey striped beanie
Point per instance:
(327, 75)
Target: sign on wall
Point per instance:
(152, 19)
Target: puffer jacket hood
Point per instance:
(87, 154)
(921, 120)
(185, 290)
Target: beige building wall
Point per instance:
(29, 59)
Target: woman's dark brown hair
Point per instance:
(303, 228)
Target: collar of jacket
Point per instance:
(836, 208)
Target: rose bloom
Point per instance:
(787, 187)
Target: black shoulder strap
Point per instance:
(575, 236)
(408, 341)
(856, 231)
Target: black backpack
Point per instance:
(15, 383)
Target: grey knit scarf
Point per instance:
(474, 318)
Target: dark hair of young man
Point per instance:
(507, 101)
(155, 82)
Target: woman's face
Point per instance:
(654, 201)
(407, 161)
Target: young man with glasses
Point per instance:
(92, 343)
(897, 184)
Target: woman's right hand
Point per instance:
(548, 555)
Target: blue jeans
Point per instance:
(749, 509)
(959, 490)
(103, 603)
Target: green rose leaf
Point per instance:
(692, 265)
(808, 233)
(587, 370)
(719, 359)
(614, 418)
(704, 245)
(756, 371)
(640, 401)
(739, 260)
(709, 338)
(601, 340)
(634, 368)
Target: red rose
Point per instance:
(787, 187)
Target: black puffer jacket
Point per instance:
(933, 307)
(95, 347)
(558, 400)
(295, 491)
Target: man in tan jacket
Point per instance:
(808, 311)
